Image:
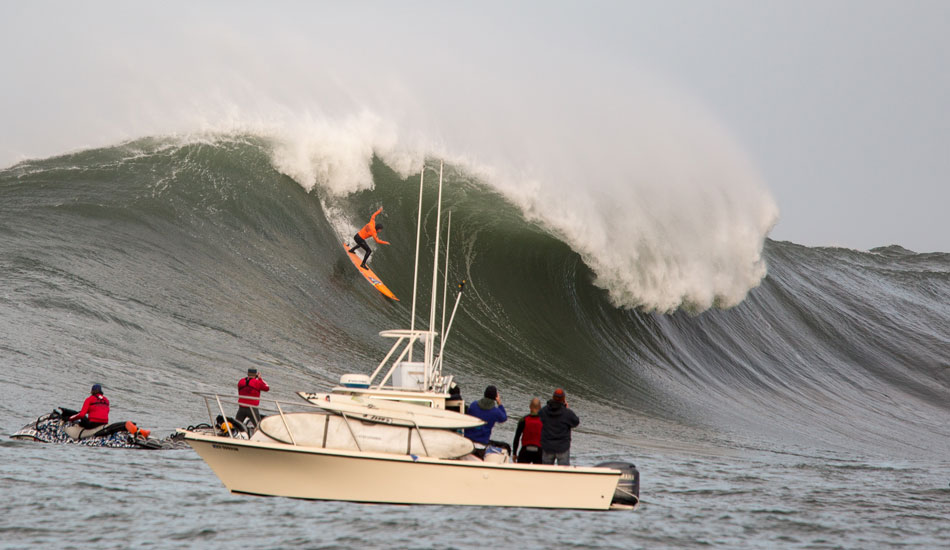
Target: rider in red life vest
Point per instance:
(528, 434)
(95, 409)
(250, 386)
(369, 230)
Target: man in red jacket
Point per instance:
(250, 386)
(528, 434)
(369, 230)
(95, 410)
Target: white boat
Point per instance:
(297, 471)
(392, 441)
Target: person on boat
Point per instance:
(95, 410)
(489, 409)
(557, 421)
(369, 230)
(455, 401)
(250, 388)
(528, 434)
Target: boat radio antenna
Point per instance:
(415, 272)
(448, 329)
(445, 289)
(435, 282)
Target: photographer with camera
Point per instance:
(489, 409)
(250, 387)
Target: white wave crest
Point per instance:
(672, 217)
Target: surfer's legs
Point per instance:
(366, 257)
(361, 243)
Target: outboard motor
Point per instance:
(628, 489)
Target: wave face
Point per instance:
(159, 265)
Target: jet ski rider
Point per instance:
(95, 410)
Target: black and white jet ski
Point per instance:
(55, 428)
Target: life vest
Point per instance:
(99, 409)
(245, 388)
(531, 435)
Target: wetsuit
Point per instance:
(96, 406)
(369, 230)
(247, 408)
(528, 433)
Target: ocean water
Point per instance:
(802, 403)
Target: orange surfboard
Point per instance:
(368, 273)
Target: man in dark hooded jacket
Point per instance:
(557, 422)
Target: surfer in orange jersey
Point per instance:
(369, 230)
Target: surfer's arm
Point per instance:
(372, 224)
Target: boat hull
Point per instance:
(276, 469)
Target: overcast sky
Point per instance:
(841, 106)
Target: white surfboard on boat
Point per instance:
(391, 412)
(331, 431)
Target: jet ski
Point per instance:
(55, 428)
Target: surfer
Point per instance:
(369, 230)
(528, 435)
(250, 386)
(95, 410)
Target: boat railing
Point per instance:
(266, 405)
(219, 401)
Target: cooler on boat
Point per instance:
(409, 375)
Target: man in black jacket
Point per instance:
(558, 421)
